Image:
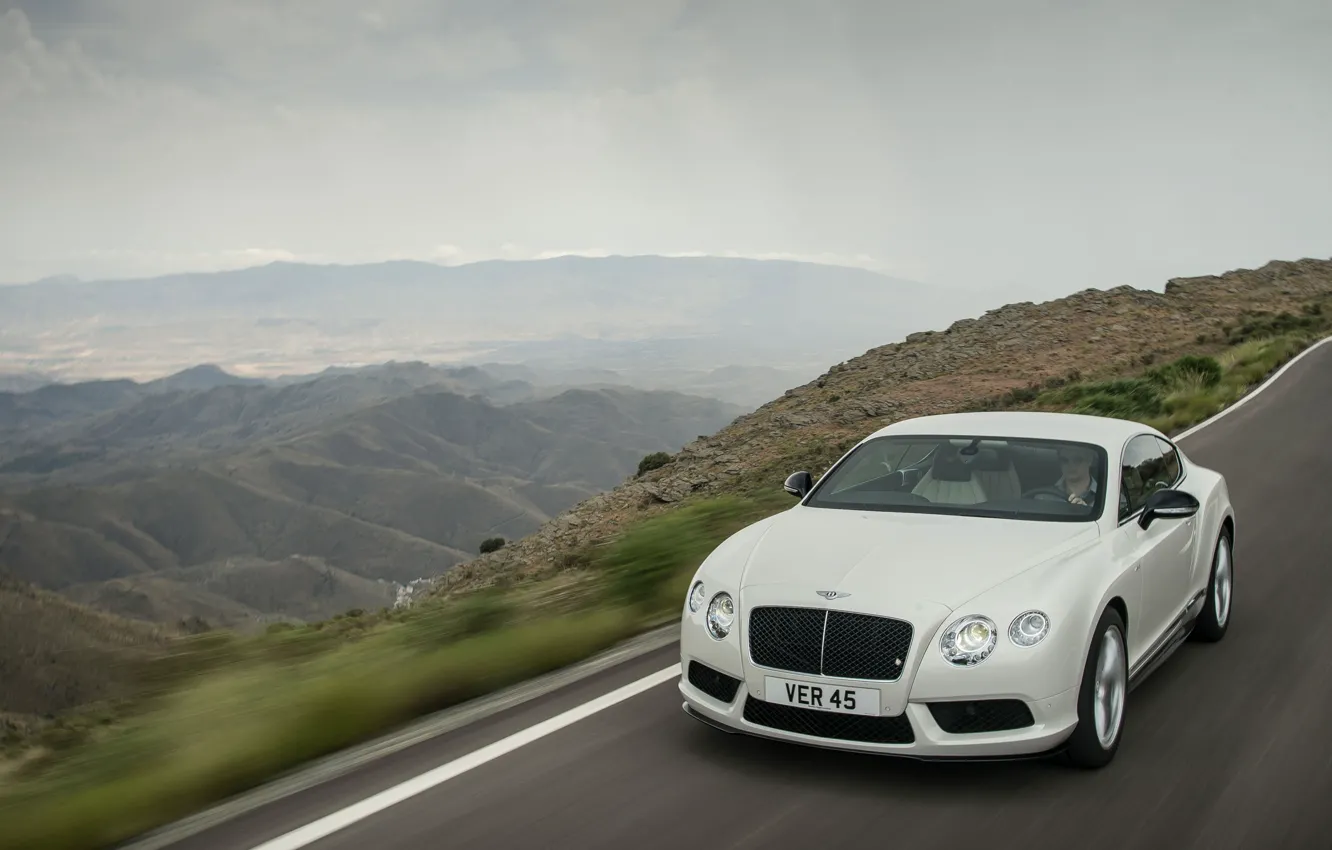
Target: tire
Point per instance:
(1214, 621)
(1086, 747)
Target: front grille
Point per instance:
(825, 724)
(712, 682)
(987, 715)
(829, 643)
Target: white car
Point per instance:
(974, 585)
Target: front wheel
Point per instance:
(1214, 620)
(1103, 697)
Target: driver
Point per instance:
(1077, 482)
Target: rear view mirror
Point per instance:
(799, 484)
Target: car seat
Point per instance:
(950, 480)
(995, 471)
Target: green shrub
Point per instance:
(491, 544)
(656, 460)
(1191, 369)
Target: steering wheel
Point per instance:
(1048, 493)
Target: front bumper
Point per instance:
(978, 726)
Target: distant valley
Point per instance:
(239, 502)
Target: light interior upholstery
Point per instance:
(950, 481)
(997, 475)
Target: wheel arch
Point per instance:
(1120, 607)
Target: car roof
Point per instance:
(1107, 432)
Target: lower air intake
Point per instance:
(825, 724)
(714, 683)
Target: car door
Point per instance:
(1172, 475)
(1161, 550)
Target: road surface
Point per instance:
(1226, 746)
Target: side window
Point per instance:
(1141, 471)
(1171, 455)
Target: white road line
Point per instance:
(330, 824)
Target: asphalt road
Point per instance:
(1227, 746)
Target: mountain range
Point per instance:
(241, 502)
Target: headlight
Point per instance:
(968, 641)
(721, 615)
(1029, 628)
(696, 597)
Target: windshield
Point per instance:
(1030, 479)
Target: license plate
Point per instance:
(839, 700)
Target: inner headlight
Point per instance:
(968, 641)
(721, 615)
(1029, 628)
(696, 597)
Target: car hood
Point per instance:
(905, 557)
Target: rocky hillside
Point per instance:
(970, 364)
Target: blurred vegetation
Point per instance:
(649, 568)
(220, 713)
(258, 713)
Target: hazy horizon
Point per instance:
(1028, 150)
(657, 321)
(183, 272)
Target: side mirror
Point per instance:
(1168, 504)
(799, 484)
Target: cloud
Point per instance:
(446, 254)
(585, 252)
(32, 70)
(1030, 147)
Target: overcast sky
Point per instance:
(1033, 148)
